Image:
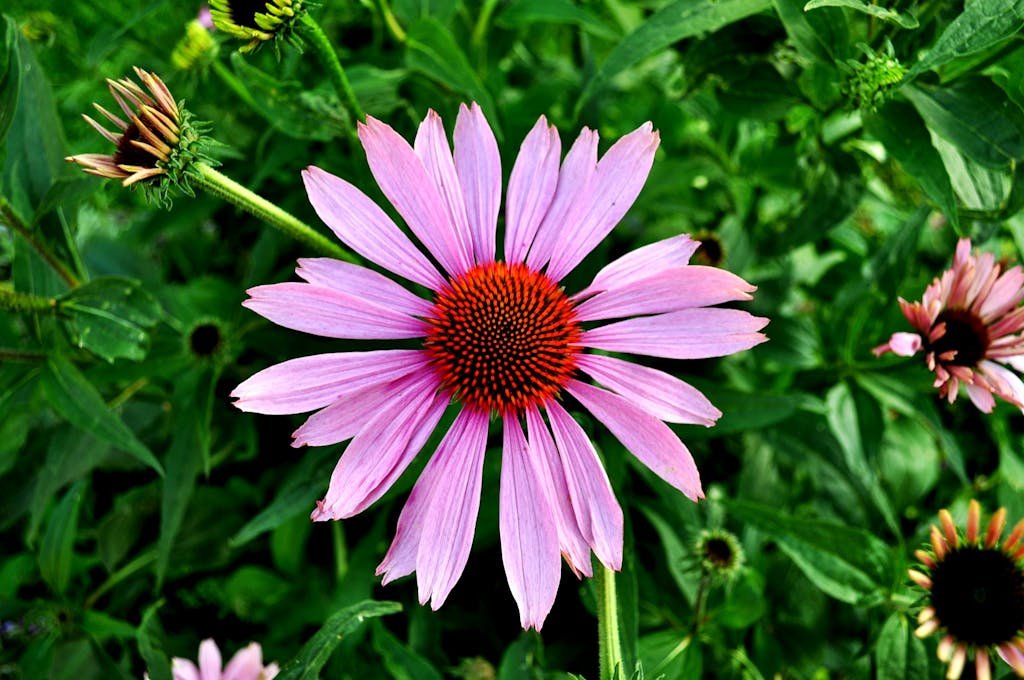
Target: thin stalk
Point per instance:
(317, 39)
(13, 301)
(231, 191)
(609, 636)
(699, 603)
(11, 218)
(140, 562)
(340, 551)
(234, 84)
(127, 393)
(22, 356)
(397, 32)
(482, 22)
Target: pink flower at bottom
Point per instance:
(501, 339)
(969, 325)
(246, 664)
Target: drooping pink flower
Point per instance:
(969, 325)
(246, 664)
(499, 337)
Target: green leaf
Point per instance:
(401, 661)
(296, 497)
(35, 140)
(521, 13)
(519, 662)
(976, 116)
(55, 552)
(73, 397)
(899, 127)
(432, 50)
(10, 76)
(298, 113)
(314, 654)
(674, 653)
(982, 24)
(849, 564)
(899, 654)
(147, 636)
(672, 23)
(109, 316)
(903, 19)
(888, 267)
(189, 449)
(822, 36)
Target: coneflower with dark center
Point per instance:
(975, 590)
(155, 144)
(969, 324)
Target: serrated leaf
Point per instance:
(672, 23)
(314, 654)
(902, 19)
(982, 24)
(432, 50)
(55, 552)
(899, 655)
(849, 564)
(109, 316)
(73, 397)
(975, 116)
(899, 127)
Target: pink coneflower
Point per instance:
(969, 324)
(975, 592)
(246, 664)
(499, 338)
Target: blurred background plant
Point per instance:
(830, 153)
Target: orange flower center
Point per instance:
(503, 337)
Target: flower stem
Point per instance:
(609, 636)
(13, 301)
(11, 218)
(397, 32)
(482, 22)
(317, 39)
(231, 191)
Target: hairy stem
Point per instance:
(231, 191)
(317, 39)
(13, 301)
(609, 636)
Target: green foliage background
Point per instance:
(141, 513)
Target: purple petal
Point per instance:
(330, 313)
(382, 450)
(361, 225)
(619, 177)
(246, 664)
(209, 660)
(530, 188)
(686, 334)
(529, 540)
(598, 513)
(404, 180)
(572, 196)
(643, 435)
(905, 344)
(478, 165)
(309, 383)
(344, 418)
(184, 669)
(453, 506)
(663, 396)
(362, 282)
(642, 263)
(431, 146)
(667, 291)
(575, 548)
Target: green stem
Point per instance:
(234, 84)
(397, 32)
(13, 301)
(340, 551)
(482, 21)
(140, 562)
(11, 218)
(23, 356)
(317, 39)
(609, 637)
(698, 605)
(231, 191)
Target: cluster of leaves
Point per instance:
(830, 152)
